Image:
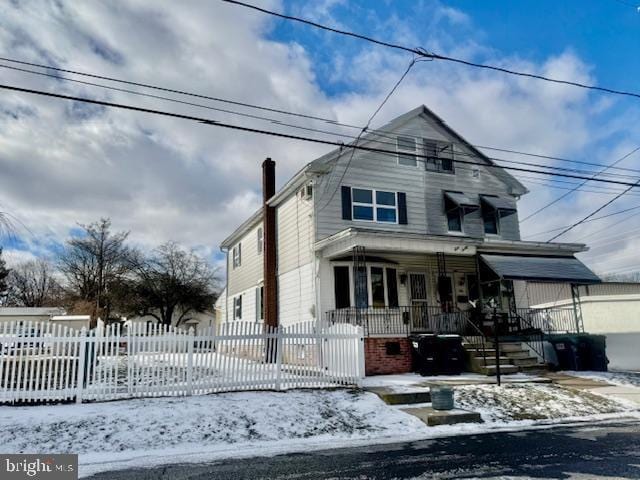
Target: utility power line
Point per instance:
(588, 221)
(423, 53)
(564, 195)
(216, 123)
(602, 207)
(376, 132)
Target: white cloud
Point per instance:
(169, 179)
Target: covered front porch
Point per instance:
(399, 285)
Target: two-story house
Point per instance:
(404, 235)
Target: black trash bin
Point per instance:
(566, 348)
(592, 352)
(451, 355)
(425, 354)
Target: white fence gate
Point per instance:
(45, 362)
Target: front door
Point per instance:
(418, 294)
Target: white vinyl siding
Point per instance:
(424, 188)
(249, 273)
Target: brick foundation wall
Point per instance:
(382, 360)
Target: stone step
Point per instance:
(534, 369)
(475, 352)
(443, 417)
(504, 369)
(402, 398)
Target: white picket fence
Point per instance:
(45, 362)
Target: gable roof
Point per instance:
(324, 163)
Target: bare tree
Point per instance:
(94, 262)
(171, 283)
(33, 284)
(4, 273)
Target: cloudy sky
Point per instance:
(65, 163)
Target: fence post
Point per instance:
(279, 333)
(361, 360)
(190, 361)
(81, 361)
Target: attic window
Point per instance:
(406, 148)
(439, 156)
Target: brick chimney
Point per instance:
(270, 296)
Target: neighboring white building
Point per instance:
(196, 320)
(29, 314)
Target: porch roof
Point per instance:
(549, 269)
(342, 243)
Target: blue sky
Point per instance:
(167, 180)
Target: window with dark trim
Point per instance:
(374, 205)
(237, 255)
(342, 287)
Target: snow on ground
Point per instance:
(614, 377)
(132, 430)
(409, 382)
(514, 402)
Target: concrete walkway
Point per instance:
(600, 387)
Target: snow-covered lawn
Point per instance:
(514, 402)
(151, 431)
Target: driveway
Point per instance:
(604, 449)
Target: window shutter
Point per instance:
(402, 208)
(346, 203)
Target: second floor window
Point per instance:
(406, 147)
(260, 240)
(237, 255)
(490, 220)
(374, 205)
(439, 156)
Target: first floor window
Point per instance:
(377, 287)
(237, 307)
(260, 303)
(342, 287)
(360, 287)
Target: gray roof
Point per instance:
(542, 269)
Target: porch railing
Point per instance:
(549, 320)
(401, 320)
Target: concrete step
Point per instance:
(510, 347)
(521, 354)
(534, 369)
(491, 360)
(504, 369)
(401, 398)
(525, 362)
(443, 417)
(478, 351)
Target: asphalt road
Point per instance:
(601, 450)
